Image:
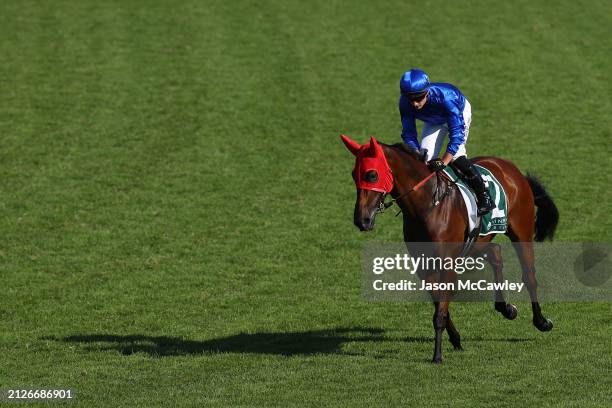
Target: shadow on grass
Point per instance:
(283, 343)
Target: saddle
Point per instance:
(495, 221)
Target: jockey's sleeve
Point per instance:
(456, 128)
(409, 131)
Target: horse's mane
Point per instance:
(404, 148)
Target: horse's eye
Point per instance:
(371, 176)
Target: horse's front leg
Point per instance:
(439, 322)
(447, 279)
(453, 334)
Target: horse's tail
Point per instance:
(547, 215)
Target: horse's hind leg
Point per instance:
(494, 258)
(525, 253)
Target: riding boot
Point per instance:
(471, 176)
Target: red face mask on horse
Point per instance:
(372, 172)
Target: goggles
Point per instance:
(415, 96)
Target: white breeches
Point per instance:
(433, 136)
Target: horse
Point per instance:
(397, 170)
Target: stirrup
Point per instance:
(483, 211)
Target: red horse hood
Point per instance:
(372, 172)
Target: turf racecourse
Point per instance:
(177, 207)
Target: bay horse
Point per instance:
(382, 169)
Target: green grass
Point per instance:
(177, 207)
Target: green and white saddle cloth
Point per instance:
(495, 221)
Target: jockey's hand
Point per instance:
(436, 165)
(422, 155)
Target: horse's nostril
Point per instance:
(367, 220)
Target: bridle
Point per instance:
(382, 206)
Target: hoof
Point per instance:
(456, 342)
(511, 312)
(437, 360)
(543, 325)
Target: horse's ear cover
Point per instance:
(370, 158)
(374, 147)
(350, 144)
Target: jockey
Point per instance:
(444, 110)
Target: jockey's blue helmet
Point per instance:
(414, 82)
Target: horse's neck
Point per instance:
(408, 171)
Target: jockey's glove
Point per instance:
(436, 165)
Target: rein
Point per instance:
(436, 201)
